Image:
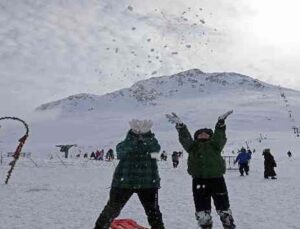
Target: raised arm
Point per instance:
(185, 137)
(219, 138)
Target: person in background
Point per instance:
(97, 155)
(175, 159)
(93, 156)
(110, 155)
(243, 159)
(163, 156)
(269, 164)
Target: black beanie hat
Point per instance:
(204, 130)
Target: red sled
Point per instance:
(126, 224)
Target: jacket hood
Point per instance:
(203, 130)
(131, 134)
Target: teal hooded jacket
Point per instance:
(136, 168)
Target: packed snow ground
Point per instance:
(54, 196)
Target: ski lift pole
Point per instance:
(22, 141)
(247, 145)
(61, 160)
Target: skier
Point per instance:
(137, 172)
(289, 153)
(175, 159)
(243, 159)
(206, 166)
(269, 164)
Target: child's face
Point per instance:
(203, 135)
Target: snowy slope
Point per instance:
(57, 197)
(199, 98)
(153, 91)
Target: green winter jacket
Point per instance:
(204, 160)
(136, 169)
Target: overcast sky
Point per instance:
(52, 49)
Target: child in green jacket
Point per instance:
(207, 167)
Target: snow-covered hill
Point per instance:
(198, 98)
(188, 84)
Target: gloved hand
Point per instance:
(223, 117)
(173, 118)
(140, 126)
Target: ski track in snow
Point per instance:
(57, 197)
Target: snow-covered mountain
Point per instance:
(156, 90)
(197, 97)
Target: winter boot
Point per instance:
(227, 219)
(204, 219)
(206, 227)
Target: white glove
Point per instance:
(225, 115)
(173, 118)
(155, 155)
(140, 126)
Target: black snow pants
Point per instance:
(215, 188)
(205, 189)
(175, 164)
(119, 197)
(244, 167)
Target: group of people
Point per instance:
(175, 157)
(244, 157)
(137, 172)
(99, 155)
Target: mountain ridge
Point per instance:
(190, 83)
